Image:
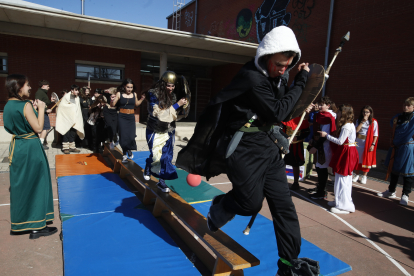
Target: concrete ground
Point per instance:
(378, 239)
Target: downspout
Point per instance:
(328, 40)
(195, 19)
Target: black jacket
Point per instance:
(249, 93)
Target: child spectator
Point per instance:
(324, 121)
(295, 158)
(400, 157)
(344, 160)
(367, 140)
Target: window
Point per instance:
(98, 72)
(3, 65)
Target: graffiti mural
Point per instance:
(188, 18)
(270, 14)
(302, 10)
(244, 22)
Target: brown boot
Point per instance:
(66, 151)
(74, 150)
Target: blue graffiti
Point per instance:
(270, 14)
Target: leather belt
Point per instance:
(127, 111)
(362, 137)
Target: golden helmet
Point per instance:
(169, 77)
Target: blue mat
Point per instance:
(262, 243)
(107, 231)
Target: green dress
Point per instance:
(31, 198)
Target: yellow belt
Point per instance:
(362, 137)
(13, 142)
(350, 144)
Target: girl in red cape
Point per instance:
(367, 140)
(320, 146)
(344, 160)
(295, 157)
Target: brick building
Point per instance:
(63, 47)
(372, 70)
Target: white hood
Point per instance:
(280, 39)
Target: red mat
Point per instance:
(80, 164)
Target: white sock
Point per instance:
(42, 140)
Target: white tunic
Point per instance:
(326, 146)
(361, 143)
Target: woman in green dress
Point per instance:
(31, 198)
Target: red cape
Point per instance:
(369, 158)
(294, 123)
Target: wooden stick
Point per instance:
(56, 104)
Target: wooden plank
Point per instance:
(148, 197)
(117, 165)
(198, 246)
(222, 269)
(123, 172)
(159, 207)
(138, 185)
(234, 255)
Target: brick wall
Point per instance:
(373, 68)
(203, 94)
(55, 61)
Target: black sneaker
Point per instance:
(45, 147)
(147, 173)
(295, 186)
(162, 186)
(210, 224)
(47, 231)
(319, 195)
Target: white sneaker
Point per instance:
(364, 179)
(111, 145)
(387, 194)
(355, 178)
(124, 159)
(146, 177)
(404, 200)
(332, 203)
(338, 211)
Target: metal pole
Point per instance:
(83, 6)
(328, 40)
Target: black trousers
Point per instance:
(322, 179)
(70, 136)
(257, 171)
(407, 183)
(98, 133)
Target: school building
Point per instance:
(208, 42)
(373, 68)
(63, 48)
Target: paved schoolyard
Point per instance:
(377, 239)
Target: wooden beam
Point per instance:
(148, 196)
(159, 207)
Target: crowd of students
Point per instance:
(349, 150)
(107, 115)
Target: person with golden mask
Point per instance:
(162, 110)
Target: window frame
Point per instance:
(7, 64)
(121, 69)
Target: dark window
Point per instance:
(97, 72)
(3, 65)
